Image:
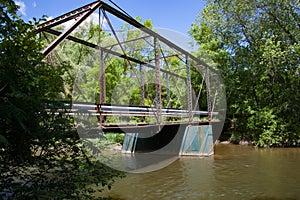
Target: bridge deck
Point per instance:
(141, 128)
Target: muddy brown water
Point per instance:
(234, 172)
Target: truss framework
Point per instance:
(159, 56)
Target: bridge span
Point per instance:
(131, 79)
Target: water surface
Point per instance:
(234, 172)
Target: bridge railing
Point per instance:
(120, 110)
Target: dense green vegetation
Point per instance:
(41, 156)
(256, 46)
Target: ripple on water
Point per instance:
(234, 172)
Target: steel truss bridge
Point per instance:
(185, 89)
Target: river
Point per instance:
(234, 172)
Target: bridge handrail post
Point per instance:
(157, 82)
(209, 104)
(189, 88)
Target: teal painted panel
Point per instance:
(207, 145)
(194, 147)
(197, 140)
(190, 142)
(129, 143)
(184, 143)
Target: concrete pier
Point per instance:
(184, 140)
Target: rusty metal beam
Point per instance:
(74, 39)
(188, 59)
(142, 85)
(136, 24)
(104, 6)
(80, 41)
(189, 88)
(157, 81)
(69, 30)
(65, 17)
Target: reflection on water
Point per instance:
(234, 172)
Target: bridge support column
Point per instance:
(197, 140)
(129, 143)
(185, 141)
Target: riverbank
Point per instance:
(239, 143)
(250, 143)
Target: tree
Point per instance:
(41, 155)
(256, 45)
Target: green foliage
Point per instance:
(41, 156)
(256, 47)
(265, 127)
(116, 138)
(148, 24)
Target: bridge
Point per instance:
(133, 80)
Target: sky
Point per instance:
(169, 14)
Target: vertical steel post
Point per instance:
(102, 82)
(102, 79)
(209, 104)
(157, 82)
(189, 88)
(142, 85)
(102, 66)
(168, 90)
